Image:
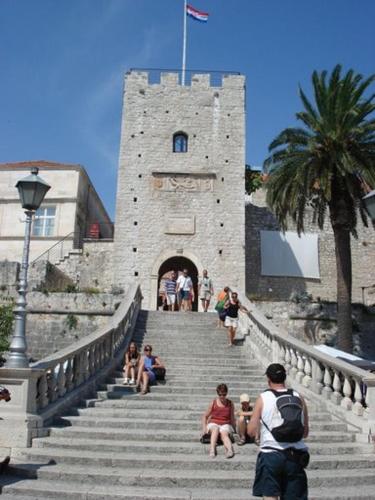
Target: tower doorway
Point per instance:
(178, 264)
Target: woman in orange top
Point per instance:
(219, 419)
(222, 298)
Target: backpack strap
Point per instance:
(277, 394)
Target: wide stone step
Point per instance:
(173, 435)
(136, 446)
(188, 391)
(196, 382)
(225, 479)
(244, 459)
(141, 423)
(149, 402)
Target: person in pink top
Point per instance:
(219, 419)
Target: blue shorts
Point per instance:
(185, 294)
(278, 476)
(151, 377)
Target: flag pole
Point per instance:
(184, 47)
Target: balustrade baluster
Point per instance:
(69, 375)
(357, 406)
(288, 358)
(51, 383)
(300, 366)
(318, 377)
(61, 389)
(294, 363)
(327, 380)
(42, 392)
(92, 360)
(306, 381)
(347, 391)
(336, 397)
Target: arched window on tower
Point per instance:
(180, 142)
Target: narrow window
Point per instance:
(44, 221)
(180, 142)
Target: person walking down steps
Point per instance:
(205, 290)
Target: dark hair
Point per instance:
(226, 289)
(222, 388)
(276, 373)
(132, 354)
(147, 346)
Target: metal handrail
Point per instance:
(47, 253)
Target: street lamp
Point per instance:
(32, 190)
(369, 202)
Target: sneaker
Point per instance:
(126, 381)
(132, 381)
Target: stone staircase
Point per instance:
(122, 445)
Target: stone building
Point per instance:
(70, 210)
(180, 193)
(266, 286)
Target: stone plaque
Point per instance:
(180, 225)
(183, 182)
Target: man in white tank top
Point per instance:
(280, 465)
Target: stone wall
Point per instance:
(8, 279)
(259, 217)
(56, 320)
(187, 204)
(92, 267)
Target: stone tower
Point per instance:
(180, 191)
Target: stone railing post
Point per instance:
(19, 421)
(370, 402)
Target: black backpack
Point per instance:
(290, 408)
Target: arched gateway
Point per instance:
(177, 264)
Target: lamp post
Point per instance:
(32, 190)
(369, 202)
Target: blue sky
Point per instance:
(62, 64)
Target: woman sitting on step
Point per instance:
(146, 373)
(132, 360)
(219, 419)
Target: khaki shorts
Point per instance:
(171, 299)
(205, 296)
(222, 428)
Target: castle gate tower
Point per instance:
(180, 192)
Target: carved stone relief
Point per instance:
(185, 182)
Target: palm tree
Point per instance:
(327, 163)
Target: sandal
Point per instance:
(229, 453)
(241, 441)
(212, 453)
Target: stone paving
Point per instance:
(122, 445)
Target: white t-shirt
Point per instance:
(272, 418)
(184, 283)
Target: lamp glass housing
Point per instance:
(32, 190)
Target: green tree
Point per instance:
(253, 180)
(325, 165)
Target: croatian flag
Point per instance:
(196, 14)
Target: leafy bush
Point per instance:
(6, 325)
(72, 321)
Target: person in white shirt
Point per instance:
(281, 462)
(206, 290)
(185, 291)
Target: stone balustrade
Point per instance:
(44, 390)
(346, 387)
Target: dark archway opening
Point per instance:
(178, 264)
